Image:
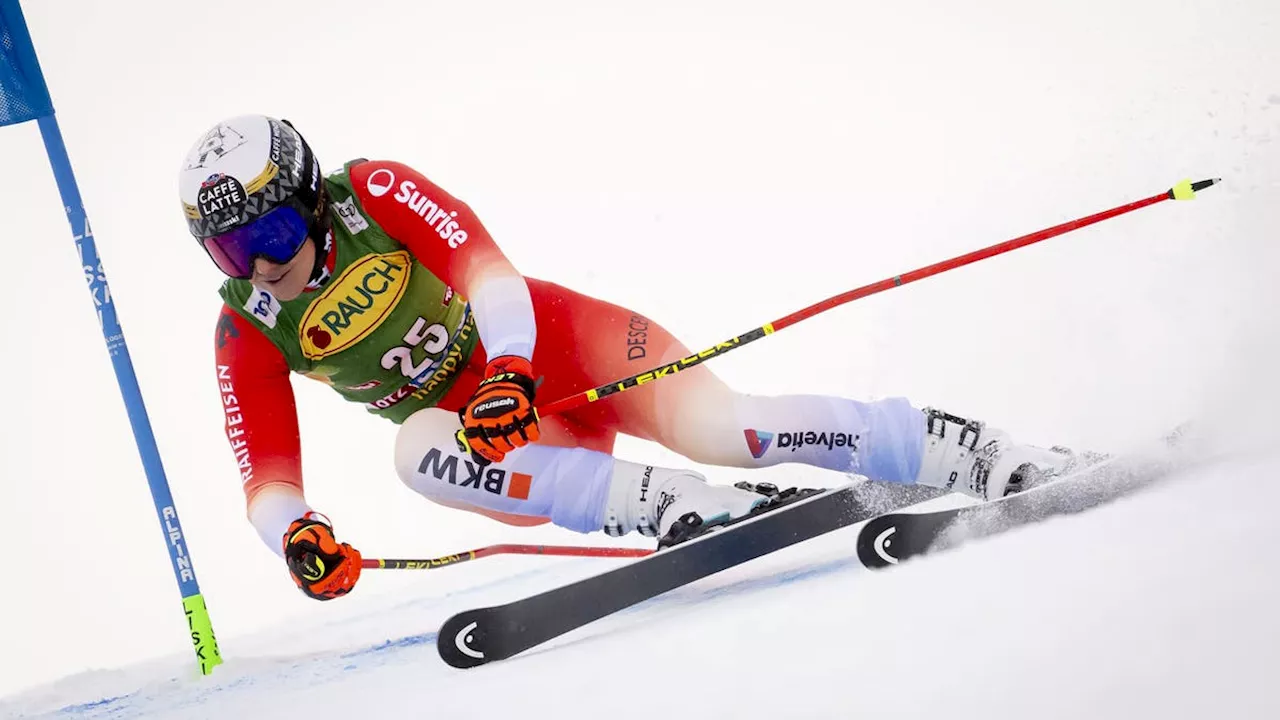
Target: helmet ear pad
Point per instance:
(311, 196)
(315, 198)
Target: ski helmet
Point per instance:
(250, 187)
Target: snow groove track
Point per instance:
(1160, 604)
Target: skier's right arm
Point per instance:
(262, 428)
(261, 425)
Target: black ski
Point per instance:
(892, 538)
(480, 636)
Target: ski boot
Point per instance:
(663, 502)
(968, 457)
(691, 524)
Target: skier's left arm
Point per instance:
(445, 236)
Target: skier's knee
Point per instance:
(420, 434)
(706, 423)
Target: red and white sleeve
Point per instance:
(261, 426)
(447, 237)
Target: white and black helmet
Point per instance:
(242, 169)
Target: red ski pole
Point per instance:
(1184, 190)
(447, 560)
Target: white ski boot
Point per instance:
(983, 462)
(650, 500)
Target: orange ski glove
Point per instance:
(500, 417)
(321, 567)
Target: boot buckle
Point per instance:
(969, 429)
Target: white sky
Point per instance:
(713, 165)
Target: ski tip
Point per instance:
(877, 544)
(461, 641)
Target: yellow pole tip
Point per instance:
(1183, 191)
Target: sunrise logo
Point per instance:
(758, 442)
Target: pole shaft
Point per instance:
(573, 402)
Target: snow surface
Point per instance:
(1160, 605)
(746, 158)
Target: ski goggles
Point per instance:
(276, 236)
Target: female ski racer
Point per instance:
(377, 282)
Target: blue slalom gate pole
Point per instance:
(23, 97)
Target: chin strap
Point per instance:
(320, 227)
(323, 269)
